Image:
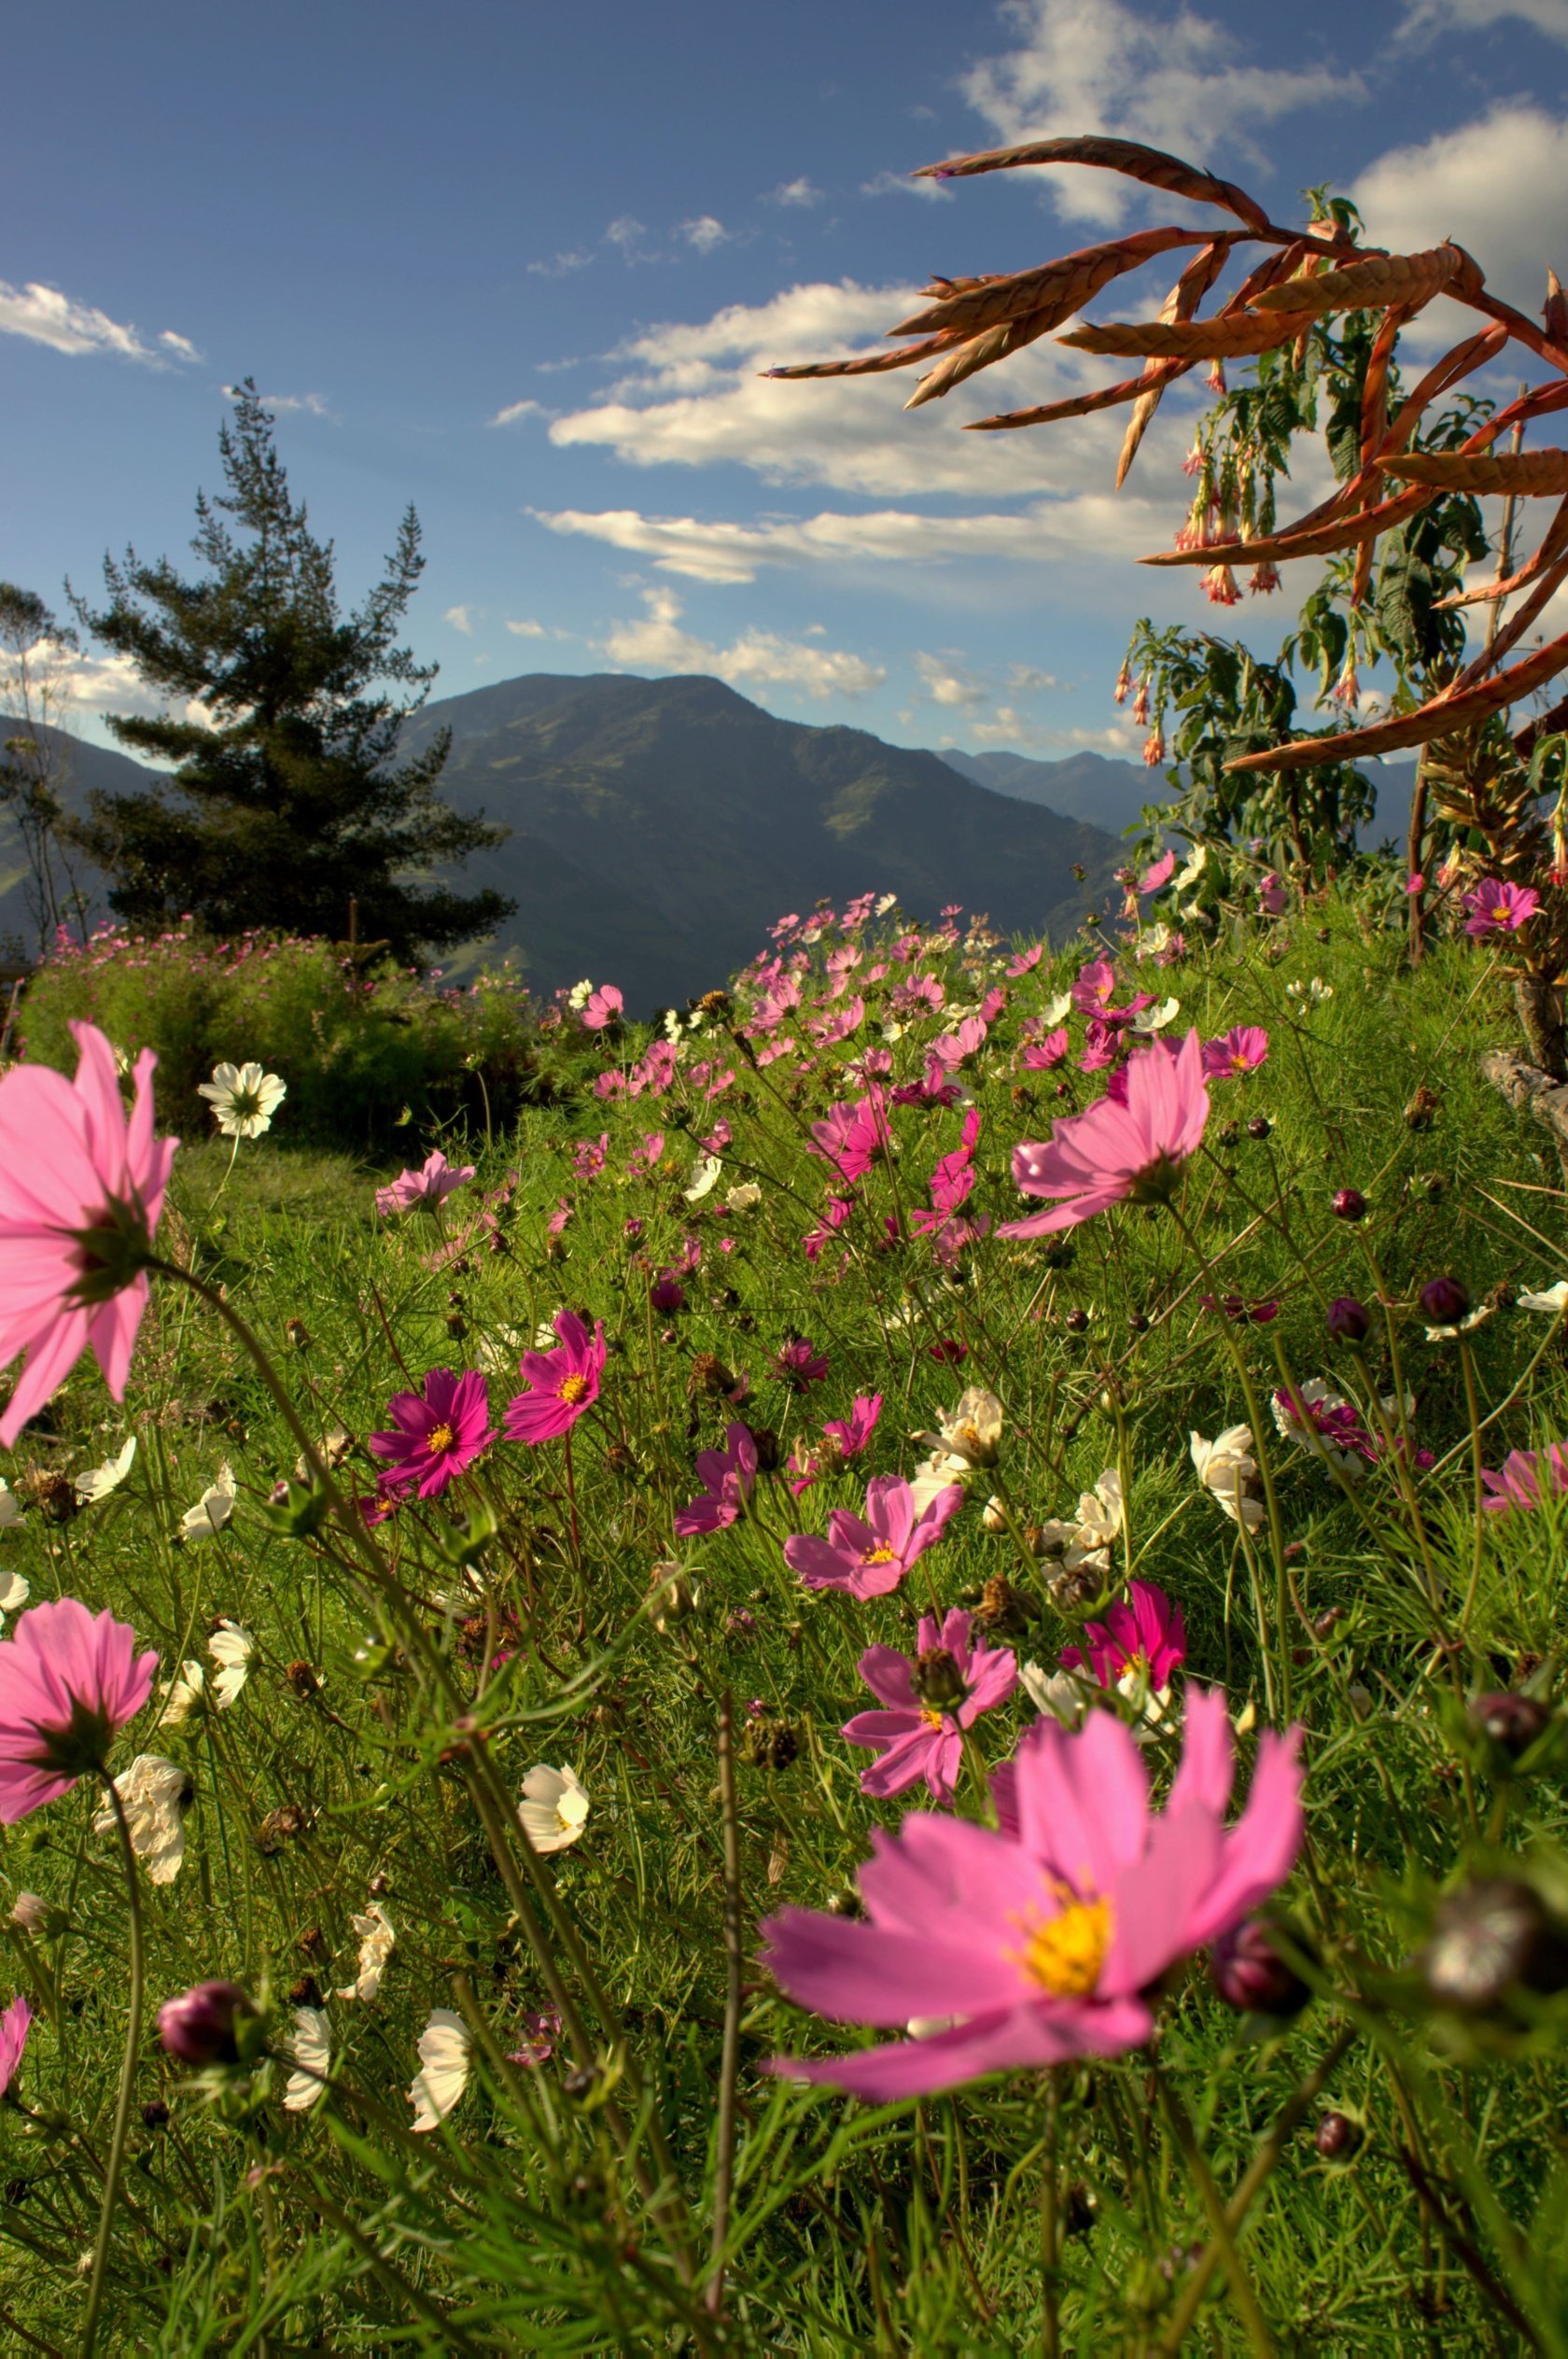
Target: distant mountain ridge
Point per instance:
(1106, 792)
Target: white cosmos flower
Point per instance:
(1228, 1470)
(443, 2052)
(1467, 1325)
(969, 1435)
(231, 1647)
(553, 1810)
(1189, 875)
(499, 1353)
(91, 1488)
(154, 1794)
(183, 1694)
(243, 1099)
(377, 1941)
(212, 1511)
(1056, 1693)
(312, 2049)
(1057, 1010)
(10, 1507)
(1554, 1300)
(744, 1198)
(1155, 1019)
(1100, 1510)
(580, 995)
(14, 1592)
(884, 902)
(705, 1174)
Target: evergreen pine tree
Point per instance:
(286, 802)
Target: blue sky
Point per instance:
(522, 263)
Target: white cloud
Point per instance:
(45, 316)
(626, 234)
(1010, 729)
(527, 630)
(559, 265)
(904, 184)
(694, 394)
(288, 404)
(757, 659)
(705, 232)
(1424, 18)
(801, 193)
(515, 410)
(1498, 184)
(946, 680)
(1174, 81)
(460, 620)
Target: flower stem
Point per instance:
(127, 2076)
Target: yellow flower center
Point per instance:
(879, 1556)
(1065, 1954)
(440, 1438)
(933, 1717)
(573, 1388)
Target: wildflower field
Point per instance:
(889, 1683)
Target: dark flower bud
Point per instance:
(1138, 1321)
(1422, 1112)
(1511, 1722)
(279, 1827)
(771, 1744)
(1229, 1135)
(378, 1886)
(1002, 1609)
(1259, 1126)
(306, 1992)
(1076, 1321)
(1445, 1301)
(767, 1448)
(938, 1680)
(1338, 2138)
(1348, 1205)
(302, 1679)
(846, 1901)
(200, 2025)
(1347, 1320)
(1249, 1973)
(1493, 1937)
(155, 2113)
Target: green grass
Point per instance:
(540, 2217)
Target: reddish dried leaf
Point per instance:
(1081, 404)
(869, 364)
(1445, 716)
(1064, 285)
(1526, 474)
(1151, 165)
(1553, 545)
(1181, 303)
(1369, 285)
(1230, 336)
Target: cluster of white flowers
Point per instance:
(1314, 992)
(1084, 1544)
(231, 1647)
(967, 1437)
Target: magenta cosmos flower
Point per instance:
(435, 1434)
(870, 1558)
(1242, 1049)
(1523, 1472)
(1142, 1633)
(931, 1701)
(604, 1007)
(13, 2039)
(1495, 907)
(430, 1186)
(81, 1188)
(69, 1680)
(1040, 1947)
(727, 1476)
(561, 1384)
(1114, 1154)
(850, 1435)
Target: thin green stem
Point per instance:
(127, 2076)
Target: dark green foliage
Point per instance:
(287, 802)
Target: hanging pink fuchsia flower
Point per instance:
(800, 1364)
(1159, 873)
(1263, 579)
(81, 1188)
(1118, 1154)
(931, 1701)
(1242, 1049)
(561, 1384)
(727, 1477)
(1042, 1944)
(1494, 908)
(1523, 1476)
(604, 1007)
(430, 1186)
(850, 1435)
(1218, 585)
(1154, 747)
(69, 1681)
(1273, 900)
(1141, 1634)
(434, 1434)
(13, 2039)
(1044, 1053)
(869, 1558)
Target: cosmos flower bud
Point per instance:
(1338, 2138)
(201, 2025)
(1347, 1319)
(1445, 1300)
(1511, 1722)
(1492, 1937)
(938, 1680)
(1249, 1973)
(1348, 1205)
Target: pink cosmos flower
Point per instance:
(1499, 908)
(81, 1188)
(13, 2039)
(604, 1007)
(1118, 1154)
(68, 1681)
(1159, 873)
(1094, 988)
(430, 1186)
(590, 1156)
(1044, 1053)
(1273, 900)
(1520, 1482)
(1242, 1049)
(931, 1701)
(434, 1434)
(561, 1384)
(850, 1435)
(799, 1363)
(1027, 961)
(870, 1558)
(1143, 1634)
(954, 1049)
(1042, 1943)
(727, 1478)
(835, 1211)
(851, 1137)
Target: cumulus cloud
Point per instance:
(44, 316)
(1425, 18)
(514, 411)
(1005, 727)
(1499, 184)
(460, 620)
(947, 680)
(1173, 80)
(626, 234)
(705, 232)
(288, 404)
(559, 265)
(798, 193)
(758, 659)
(527, 630)
(904, 184)
(693, 395)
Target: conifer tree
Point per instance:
(287, 801)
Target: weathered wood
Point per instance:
(1529, 1090)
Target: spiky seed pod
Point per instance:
(1181, 303)
(1082, 404)
(1151, 165)
(868, 364)
(1061, 286)
(968, 359)
(1225, 338)
(1412, 279)
(1526, 474)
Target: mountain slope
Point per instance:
(1110, 794)
(712, 818)
(79, 769)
